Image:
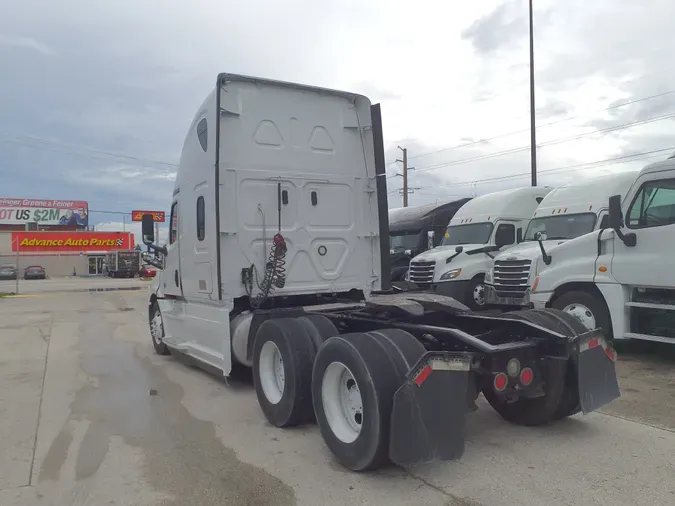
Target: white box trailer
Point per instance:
(278, 260)
(567, 212)
(484, 225)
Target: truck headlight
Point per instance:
(454, 273)
(488, 276)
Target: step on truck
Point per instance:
(621, 278)
(413, 230)
(567, 212)
(277, 260)
(480, 229)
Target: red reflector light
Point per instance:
(526, 376)
(593, 343)
(422, 375)
(611, 354)
(501, 381)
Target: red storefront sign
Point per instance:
(72, 241)
(157, 216)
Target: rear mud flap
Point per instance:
(596, 371)
(429, 412)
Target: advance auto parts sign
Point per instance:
(44, 212)
(71, 241)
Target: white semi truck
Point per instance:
(567, 212)
(484, 225)
(277, 260)
(620, 279)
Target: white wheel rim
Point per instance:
(342, 402)
(479, 295)
(271, 372)
(157, 328)
(581, 313)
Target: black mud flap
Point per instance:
(429, 412)
(596, 370)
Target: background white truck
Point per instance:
(485, 224)
(278, 260)
(567, 212)
(621, 279)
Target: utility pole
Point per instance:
(533, 134)
(405, 175)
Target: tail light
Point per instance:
(501, 382)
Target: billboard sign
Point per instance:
(157, 216)
(71, 241)
(44, 212)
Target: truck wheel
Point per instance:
(569, 326)
(319, 328)
(354, 380)
(475, 294)
(586, 307)
(538, 410)
(283, 353)
(157, 331)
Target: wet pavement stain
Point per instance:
(184, 458)
(57, 454)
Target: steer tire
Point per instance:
(593, 303)
(288, 338)
(160, 346)
(538, 410)
(319, 328)
(376, 364)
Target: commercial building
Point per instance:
(55, 234)
(63, 253)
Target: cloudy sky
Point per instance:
(95, 97)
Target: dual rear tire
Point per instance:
(561, 391)
(304, 370)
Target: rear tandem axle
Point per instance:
(393, 379)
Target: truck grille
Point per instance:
(422, 271)
(510, 277)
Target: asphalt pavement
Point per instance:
(89, 414)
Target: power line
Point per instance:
(21, 141)
(508, 134)
(544, 144)
(569, 168)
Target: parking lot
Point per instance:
(90, 415)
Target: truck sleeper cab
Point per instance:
(621, 279)
(486, 224)
(413, 230)
(278, 260)
(567, 212)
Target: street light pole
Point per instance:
(533, 134)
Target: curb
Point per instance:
(12, 295)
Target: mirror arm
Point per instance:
(159, 249)
(546, 257)
(449, 259)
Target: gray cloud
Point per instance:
(501, 27)
(127, 77)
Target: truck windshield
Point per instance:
(561, 226)
(401, 241)
(474, 233)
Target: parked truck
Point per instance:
(122, 264)
(413, 230)
(482, 227)
(278, 260)
(621, 278)
(567, 212)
